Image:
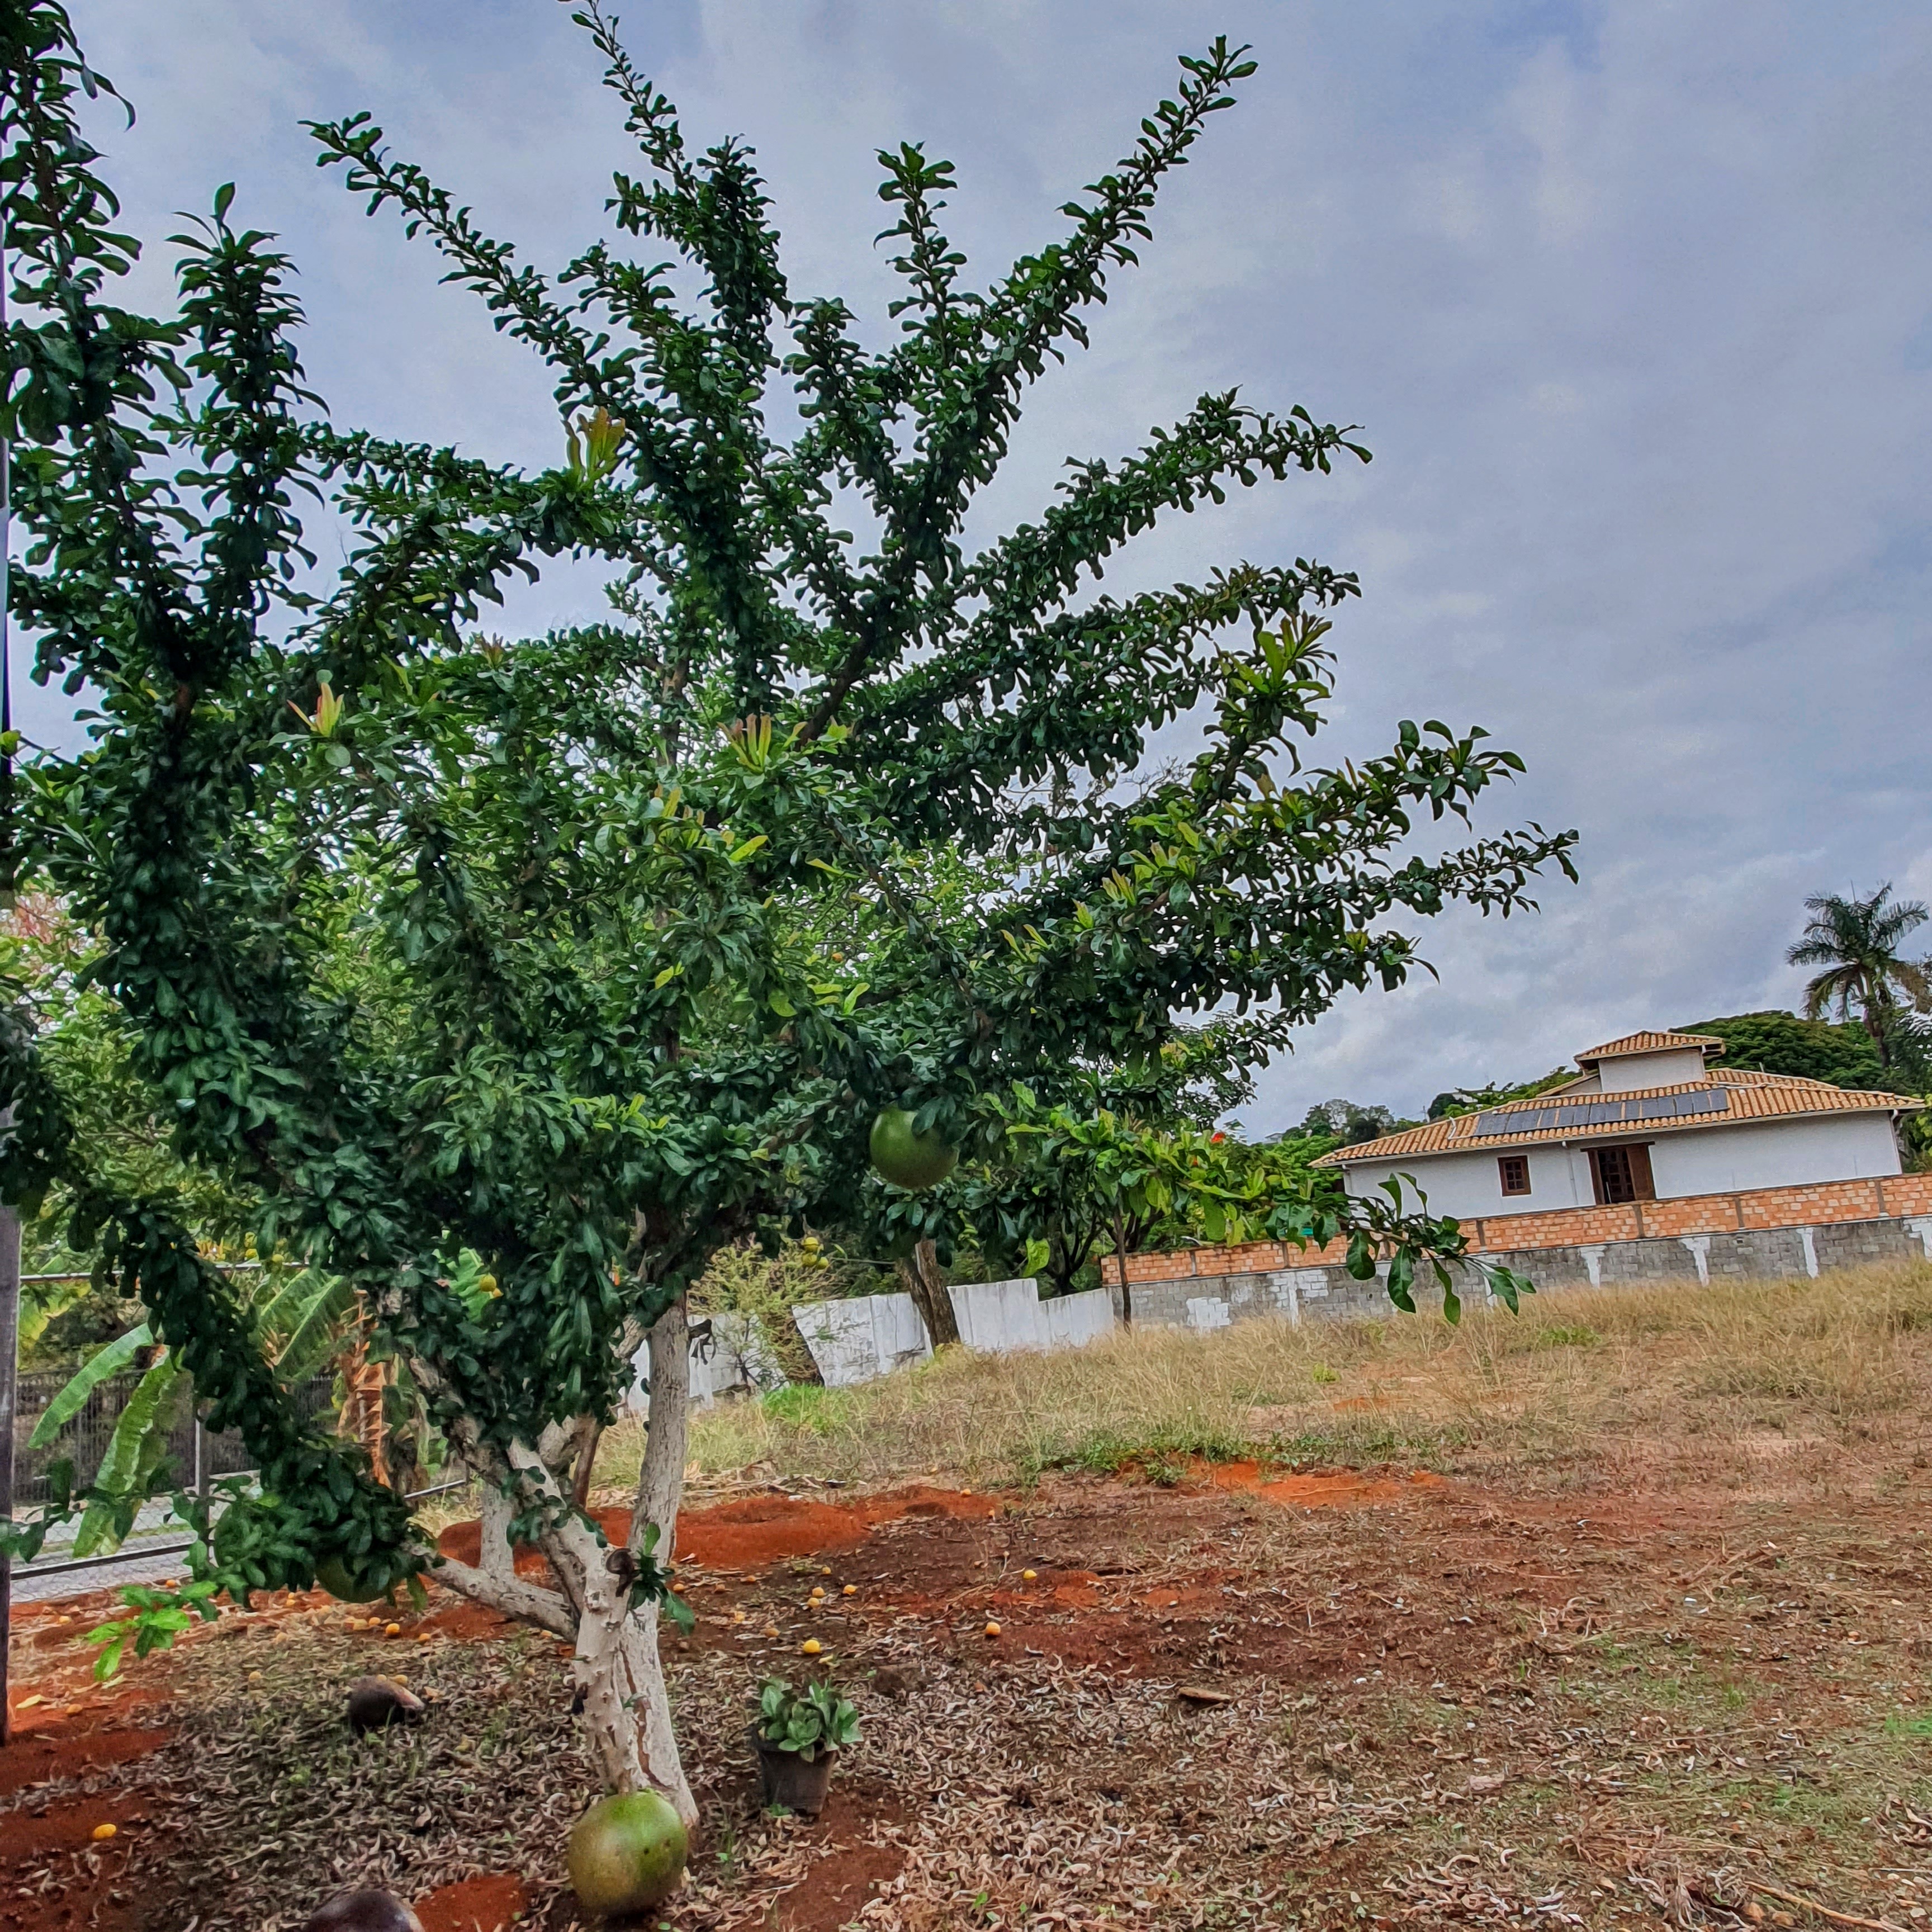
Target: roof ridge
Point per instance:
(1652, 1039)
(1760, 1098)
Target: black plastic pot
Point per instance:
(788, 1781)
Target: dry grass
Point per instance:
(1684, 1380)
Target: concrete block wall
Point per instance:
(855, 1339)
(1203, 1298)
(1772, 1233)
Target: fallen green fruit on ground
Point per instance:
(627, 1853)
(332, 1574)
(907, 1159)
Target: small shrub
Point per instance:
(807, 1718)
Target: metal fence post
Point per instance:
(10, 1362)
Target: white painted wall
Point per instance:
(1470, 1185)
(854, 1339)
(1697, 1160)
(1775, 1153)
(1629, 1072)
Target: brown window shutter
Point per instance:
(1640, 1177)
(1596, 1178)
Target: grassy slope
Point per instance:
(1664, 1375)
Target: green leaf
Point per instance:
(131, 1444)
(318, 1331)
(98, 1367)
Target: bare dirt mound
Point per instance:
(1320, 1489)
(759, 1529)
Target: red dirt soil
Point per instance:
(477, 1905)
(960, 1564)
(1328, 1489)
(758, 1529)
(53, 1750)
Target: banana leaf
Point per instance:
(316, 1332)
(110, 1361)
(134, 1451)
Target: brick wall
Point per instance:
(1501, 1236)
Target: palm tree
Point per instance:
(1856, 941)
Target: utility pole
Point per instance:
(10, 1356)
(9, 1219)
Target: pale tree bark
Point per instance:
(495, 1553)
(616, 1671)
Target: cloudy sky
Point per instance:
(1634, 302)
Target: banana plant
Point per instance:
(298, 1321)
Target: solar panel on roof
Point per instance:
(1569, 1116)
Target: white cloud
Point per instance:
(1633, 302)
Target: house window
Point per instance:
(1619, 1173)
(1515, 1168)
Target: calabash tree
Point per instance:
(436, 942)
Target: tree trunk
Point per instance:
(586, 1466)
(616, 1671)
(1120, 1258)
(495, 1554)
(926, 1285)
(1878, 1024)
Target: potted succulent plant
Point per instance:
(800, 1731)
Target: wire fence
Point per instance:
(198, 1456)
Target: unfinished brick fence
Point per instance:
(1771, 1233)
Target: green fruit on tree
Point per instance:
(907, 1159)
(332, 1573)
(627, 1853)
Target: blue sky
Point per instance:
(1634, 303)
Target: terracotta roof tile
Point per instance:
(1752, 1096)
(1651, 1042)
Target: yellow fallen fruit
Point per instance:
(992, 1629)
(850, 1590)
(826, 1571)
(1029, 1575)
(392, 1629)
(811, 1646)
(771, 1630)
(102, 1833)
(818, 1589)
(254, 1677)
(424, 1636)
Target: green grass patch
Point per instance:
(1574, 1336)
(806, 1406)
(1161, 1453)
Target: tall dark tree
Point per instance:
(436, 942)
(1856, 942)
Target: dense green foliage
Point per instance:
(1841, 1053)
(88, 1050)
(1350, 1123)
(434, 942)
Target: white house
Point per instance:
(1647, 1119)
